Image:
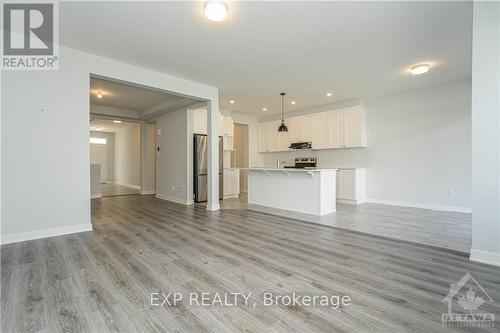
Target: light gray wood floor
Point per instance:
(448, 230)
(110, 190)
(101, 281)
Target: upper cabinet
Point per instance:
(263, 138)
(340, 128)
(225, 123)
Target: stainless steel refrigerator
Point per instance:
(200, 168)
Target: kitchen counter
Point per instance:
(291, 169)
(308, 191)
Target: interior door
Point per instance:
(99, 154)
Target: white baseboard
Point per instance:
(45, 233)
(350, 202)
(229, 196)
(422, 205)
(173, 199)
(485, 257)
(148, 192)
(130, 185)
(96, 196)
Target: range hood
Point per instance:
(300, 145)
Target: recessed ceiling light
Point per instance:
(420, 69)
(99, 94)
(264, 109)
(231, 101)
(215, 10)
(329, 94)
(117, 121)
(293, 102)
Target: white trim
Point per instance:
(350, 201)
(96, 196)
(172, 199)
(422, 205)
(485, 257)
(44, 233)
(137, 187)
(148, 192)
(230, 196)
(213, 207)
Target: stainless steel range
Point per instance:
(304, 162)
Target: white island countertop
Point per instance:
(291, 169)
(308, 191)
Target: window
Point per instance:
(99, 141)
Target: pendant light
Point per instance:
(283, 127)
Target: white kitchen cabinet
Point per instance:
(340, 128)
(319, 135)
(335, 129)
(354, 131)
(306, 128)
(351, 186)
(263, 140)
(221, 125)
(274, 136)
(200, 122)
(228, 125)
(231, 183)
(294, 129)
(227, 142)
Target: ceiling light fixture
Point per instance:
(329, 94)
(99, 129)
(420, 69)
(99, 94)
(215, 10)
(283, 127)
(264, 109)
(293, 102)
(117, 121)
(231, 101)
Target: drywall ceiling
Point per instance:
(124, 96)
(353, 49)
(106, 125)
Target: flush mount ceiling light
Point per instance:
(329, 94)
(283, 127)
(293, 102)
(215, 10)
(231, 101)
(264, 109)
(420, 69)
(117, 121)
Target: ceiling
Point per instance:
(352, 49)
(124, 96)
(108, 125)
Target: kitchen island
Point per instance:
(308, 191)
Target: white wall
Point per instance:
(172, 167)
(128, 156)
(45, 114)
(418, 148)
(486, 133)
(110, 141)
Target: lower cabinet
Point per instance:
(231, 185)
(351, 186)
